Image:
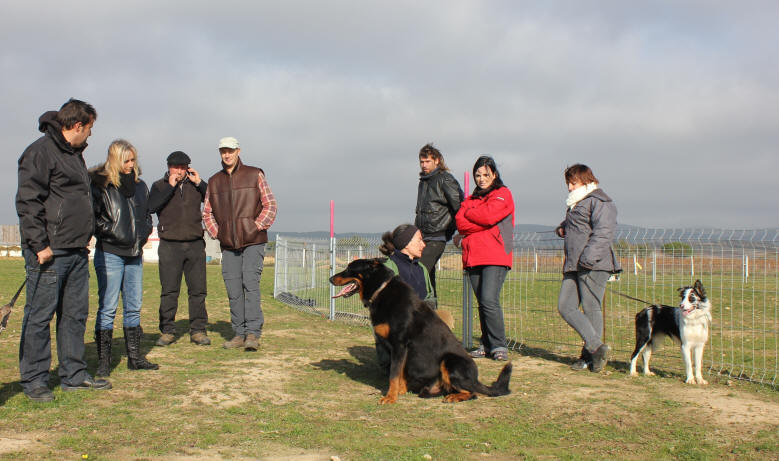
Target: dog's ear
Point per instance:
(698, 287)
(375, 262)
(681, 291)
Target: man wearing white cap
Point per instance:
(239, 208)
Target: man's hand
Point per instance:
(458, 240)
(175, 177)
(194, 176)
(45, 255)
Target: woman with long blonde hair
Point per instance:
(122, 226)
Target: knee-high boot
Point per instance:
(135, 359)
(103, 340)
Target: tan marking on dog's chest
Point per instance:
(382, 330)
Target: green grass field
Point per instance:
(311, 393)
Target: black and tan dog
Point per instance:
(426, 357)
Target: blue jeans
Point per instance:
(118, 274)
(487, 281)
(241, 270)
(59, 286)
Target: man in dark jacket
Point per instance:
(176, 199)
(54, 204)
(438, 198)
(238, 210)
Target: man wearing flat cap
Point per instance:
(239, 208)
(176, 199)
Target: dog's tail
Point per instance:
(500, 386)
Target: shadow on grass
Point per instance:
(366, 370)
(8, 390)
(618, 365)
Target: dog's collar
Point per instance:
(376, 293)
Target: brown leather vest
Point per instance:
(236, 203)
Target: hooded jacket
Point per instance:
(438, 199)
(53, 198)
(122, 224)
(589, 230)
(487, 226)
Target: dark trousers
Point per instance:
(430, 256)
(188, 258)
(60, 286)
(487, 281)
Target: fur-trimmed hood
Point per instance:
(98, 179)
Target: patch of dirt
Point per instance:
(731, 409)
(262, 379)
(27, 442)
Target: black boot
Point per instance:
(584, 362)
(136, 360)
(103, 340)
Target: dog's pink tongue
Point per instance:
(345, 290)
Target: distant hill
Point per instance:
(521, 228)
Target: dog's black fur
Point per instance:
(426, 357)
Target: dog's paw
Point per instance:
(634, 373)
(689, 380)
(387, 399)
(649, 373)
(701, 381)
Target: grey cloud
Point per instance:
(674, 106)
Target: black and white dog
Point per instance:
(688, 324)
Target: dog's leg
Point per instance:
(698, 350)
(459, 397)
(646, 355)
(634, 359)
(687, 357)
(397, 382)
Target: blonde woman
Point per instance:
(122, 226)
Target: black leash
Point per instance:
(628, 296)
(5, 311)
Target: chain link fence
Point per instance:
(738, 268)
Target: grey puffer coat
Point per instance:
(589, 231)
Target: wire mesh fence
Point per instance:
(740, 270)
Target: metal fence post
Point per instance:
(276, 273)
(467, 312)
(313, 265)
(654, 266)
(332, 273)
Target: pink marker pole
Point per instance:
(332, 217)
(467, 185)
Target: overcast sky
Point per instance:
(674, 105)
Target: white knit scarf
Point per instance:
(576, 195)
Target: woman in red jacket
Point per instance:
(486, 222)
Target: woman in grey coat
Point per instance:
(588, 229)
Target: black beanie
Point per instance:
(401, 240)
(178, 158)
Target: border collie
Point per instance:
(688, 324)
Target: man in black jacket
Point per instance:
(54, 204)
(176, 199)
(438, 198)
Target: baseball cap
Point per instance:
(229, 142)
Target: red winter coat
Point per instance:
(487, 226)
